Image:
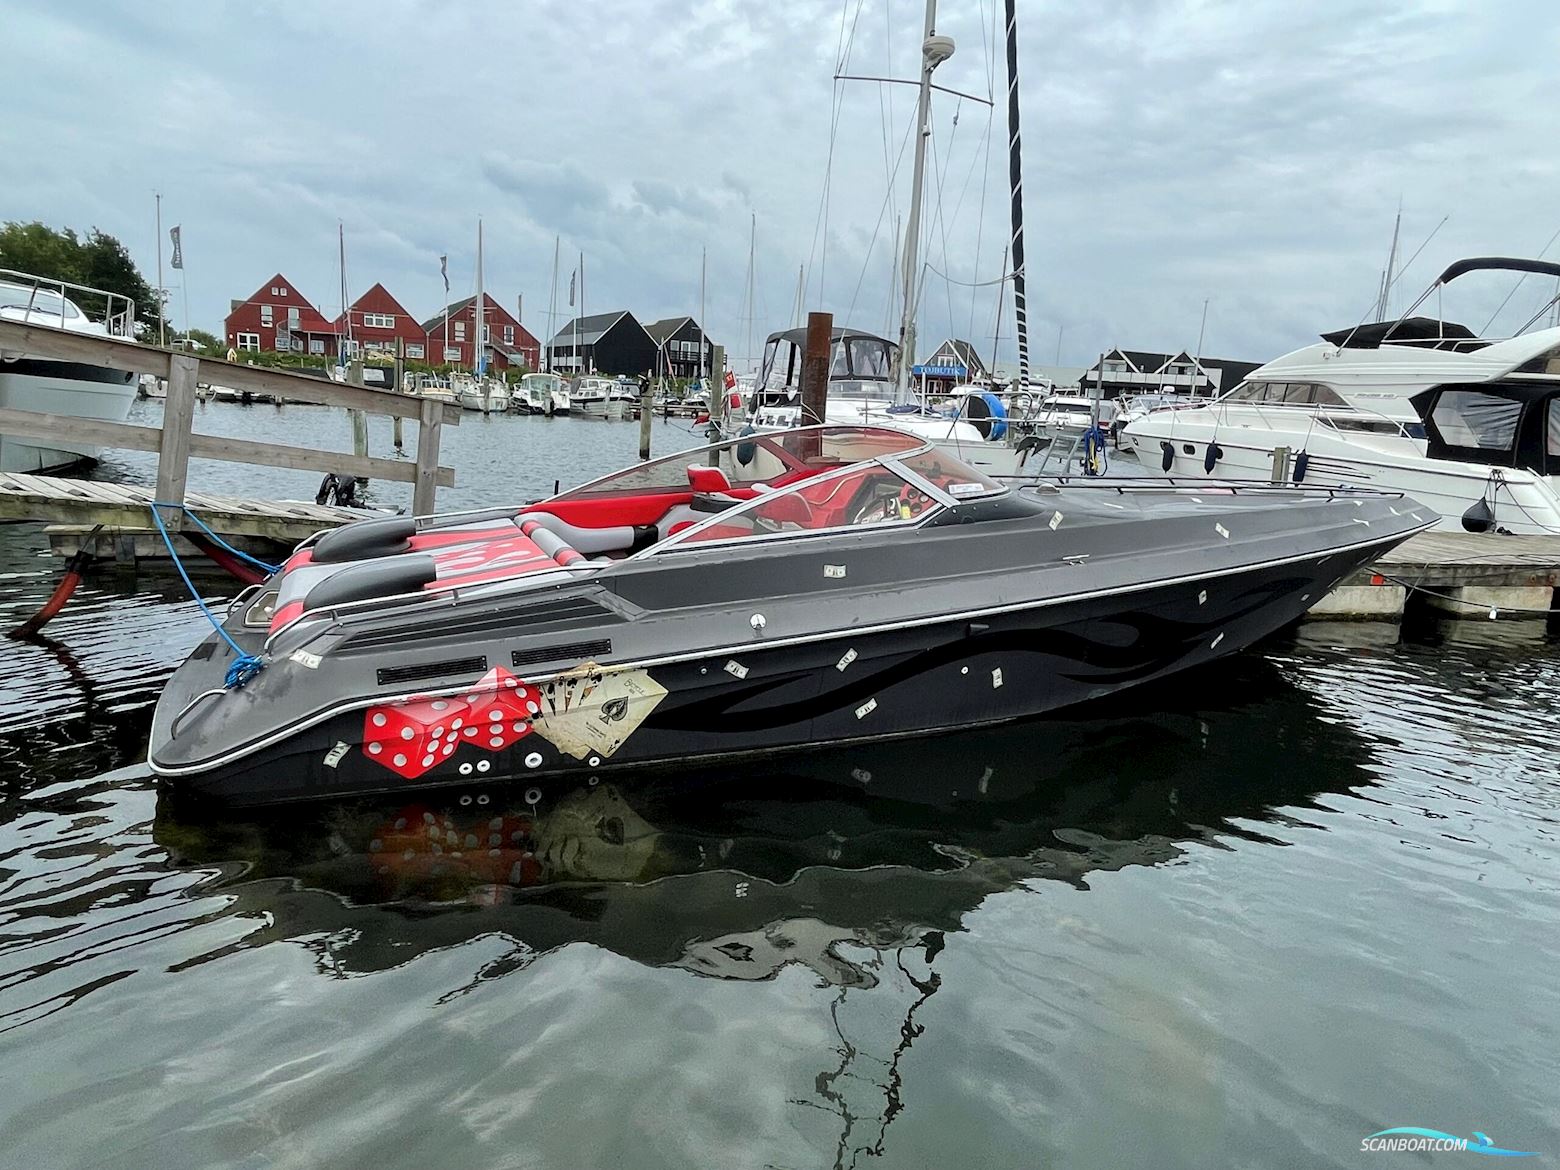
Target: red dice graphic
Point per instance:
(410, 738)
(500, 708)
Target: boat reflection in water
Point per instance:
(736, 873)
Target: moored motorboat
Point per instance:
(862, 393)
(538, 394)
(50, 386)
(772, 592)
(596, 397)
(1468, 425)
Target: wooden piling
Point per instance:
(358, 417)
(425, 487)
(815, 377)
(173, 457)
(400, 373)
(644, 425)
(815, 368)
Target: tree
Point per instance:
(99, 261)
(106, 264)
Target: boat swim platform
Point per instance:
(124, 512)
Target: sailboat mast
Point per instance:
(752, 248)
(1016, 187)
(704, 375)
(1384, 301)
(480, 364)
(934, 51)
(552, 309)
(996, 335)
(343, 352)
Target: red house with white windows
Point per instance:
(509, 343)
(277, 317)
(376, 321)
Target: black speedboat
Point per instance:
(816, 585)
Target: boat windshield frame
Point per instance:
(691, 539)
(778, 443)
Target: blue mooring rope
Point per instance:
(217, 540)
(245, 666)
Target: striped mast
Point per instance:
(1016, 184)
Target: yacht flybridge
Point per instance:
(1469, 426)
(777, 591)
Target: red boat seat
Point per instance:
(703, 478)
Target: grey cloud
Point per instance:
(1253, 153)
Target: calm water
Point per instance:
(1246, 919)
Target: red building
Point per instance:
(509, 343)
(277, 317)
(377, 321)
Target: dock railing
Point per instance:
(175, 442)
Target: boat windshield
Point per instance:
(41, 301)
(862, 495)
(869, 357)
(898, 483)
(752, 460)
(779, 357)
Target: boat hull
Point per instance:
(963, 671)
(1523, 502)
(71, 389)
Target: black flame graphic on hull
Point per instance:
(1157, 643)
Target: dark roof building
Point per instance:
(952, 362)
(603, 343)
(1136, 371)
(684, 350)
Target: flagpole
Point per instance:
(162, 321)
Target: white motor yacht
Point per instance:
(49, 386)
(1468, 425)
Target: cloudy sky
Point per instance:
(1252, 152)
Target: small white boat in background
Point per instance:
(488, 395)
(433, 387)
(538, 394)
(595, 398)
(48, 386)
(1071, 412)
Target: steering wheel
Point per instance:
(886, 507)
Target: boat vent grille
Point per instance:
(595, 649)
(503, 622)
(420, 671)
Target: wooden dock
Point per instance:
(125, 510)
(1459, 574)
(122, 508)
